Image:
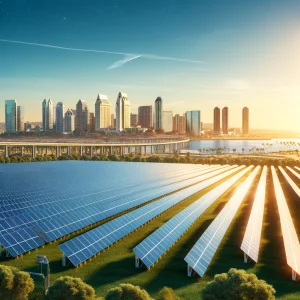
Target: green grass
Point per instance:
(116, 264)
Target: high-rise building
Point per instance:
(112, 120)
(48, 116)
(10, 116)
(70, 120)
(60, 117)
(145, 116)
(217, 121)
(20, 118)
(245, 128)
(102, 113)
(122, 112)
(133, 120)
(225, 120)
(193, 122)
(92, 122)
(167, 122)
(179, 124)
(82, 117)
(158, 113)
(28, 126)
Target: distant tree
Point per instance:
(70, 288)
(238, 285)
(14, 284)
(127, 292)
(167, 294)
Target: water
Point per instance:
(249, 146)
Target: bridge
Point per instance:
(118, 147)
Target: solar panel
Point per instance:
(251, 241)
(200, 256)
(293, 185)
(156, 244)
(289, 234)
(56, 220)
(294, 172)
(83, 247)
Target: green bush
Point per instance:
(127, 292)
(238, 285)
(167, 294)
(15, 284)
(70, 288)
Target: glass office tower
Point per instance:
(10, 116)
(193, 122)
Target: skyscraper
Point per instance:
(225, 120)
(102, 113)
(145, 116)
(158, 113)
(217, 120)
(60, 117)
(69, 120)
(20, 118)
(133, 120)
(193, 122)
(112, 120)
(82, 116)
(47, 113)
(122, 112)
(92, 122)
(179, 124)
(167, 122)
(10, 116)
(245, 128)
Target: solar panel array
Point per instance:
(200, 256)
(294, 172)
(156, 244)
(28, 220)
(83, 247)
(290, 181)
(251, 241)
(290, 238)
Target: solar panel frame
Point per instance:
(201, 254)
(289, 234)
(251, 241)
(290, 181)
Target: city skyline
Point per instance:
(235, 54)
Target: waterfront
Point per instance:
(249, 146)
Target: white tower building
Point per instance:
(122, 112)
(48, 116)
(102, 113)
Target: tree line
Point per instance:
(235, 285)
(172, 158)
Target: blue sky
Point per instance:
(245, 53)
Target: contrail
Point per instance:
(123, 61)
(128, 56)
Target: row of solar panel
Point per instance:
(105, 182)
(58, 200)
(54, 227)
(156, 244)
(19, 221)
(85, 246)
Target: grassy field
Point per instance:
(116, 264)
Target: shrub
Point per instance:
(238, 285)
(167, 294)
(15, 284)
(70, 288)
(127, 292)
